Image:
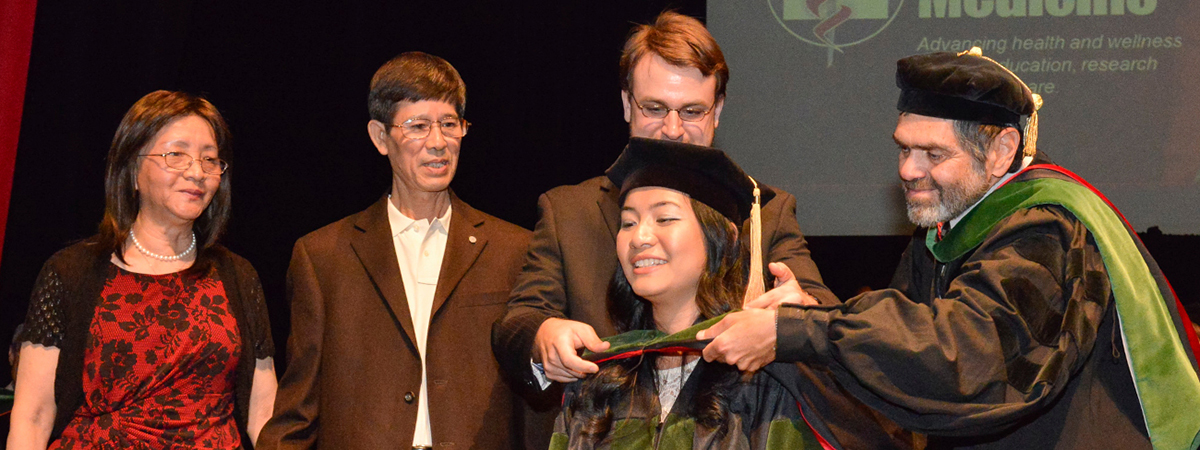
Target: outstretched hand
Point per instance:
(745, 339)
(556, 347)
(786, 290)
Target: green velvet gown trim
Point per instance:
(1166, 380)
(677, 432)
(642, 340)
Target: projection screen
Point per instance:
(811, 100)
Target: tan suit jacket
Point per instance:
(353, 368)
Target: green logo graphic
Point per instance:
(817, 22)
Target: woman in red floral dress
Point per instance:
(150, 335)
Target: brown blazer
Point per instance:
(353, 368)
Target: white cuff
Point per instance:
(539, 373)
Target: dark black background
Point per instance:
(292, 81)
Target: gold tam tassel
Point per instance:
(1031, 129)
(755, 286)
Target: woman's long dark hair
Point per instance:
(138, 129)
(720, 290)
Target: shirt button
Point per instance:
(409, 397)
(426, 254)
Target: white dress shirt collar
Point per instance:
(400, 222)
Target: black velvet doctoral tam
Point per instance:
(962, 87)
(703, 173)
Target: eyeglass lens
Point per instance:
(182, 161)
(687, 114)
(420, 128)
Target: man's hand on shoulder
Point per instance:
(786, 290)
(746, 338)
(556, 348)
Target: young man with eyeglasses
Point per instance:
(390, 306)
(672, 88)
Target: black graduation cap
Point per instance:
(703, 173)
(968, 86)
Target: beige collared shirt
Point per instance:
(420, 247)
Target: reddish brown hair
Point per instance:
(681, 41)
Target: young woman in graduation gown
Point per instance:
(681, 268)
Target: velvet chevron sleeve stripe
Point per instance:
(1164, 368)
(638, 342)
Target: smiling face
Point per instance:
(939, 177)
(172, 196)
(657, 82)
(420, 165)
(661, 247)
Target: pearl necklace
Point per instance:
(163, 257)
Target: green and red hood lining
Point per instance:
(1164, 370)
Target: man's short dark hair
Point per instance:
(975, 137)
(413, 77)
(679, 40)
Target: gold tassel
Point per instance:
(755, 287)
(1031, 129)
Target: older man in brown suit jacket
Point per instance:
(391, 306)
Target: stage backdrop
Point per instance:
(811, 104)
(543, 94)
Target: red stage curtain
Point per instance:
(16, 32)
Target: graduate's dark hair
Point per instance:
(720, 290)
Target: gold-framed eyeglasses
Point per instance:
(182, 161)
(420, 128)
(656, 110)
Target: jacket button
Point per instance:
(409, 397)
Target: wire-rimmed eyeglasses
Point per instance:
(182, 161)
(420, 128)
(655, 110)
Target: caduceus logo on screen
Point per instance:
(835, 24)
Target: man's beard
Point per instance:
(951, 199)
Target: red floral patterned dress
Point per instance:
(158, 366)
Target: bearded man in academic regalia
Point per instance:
(1025, 312)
